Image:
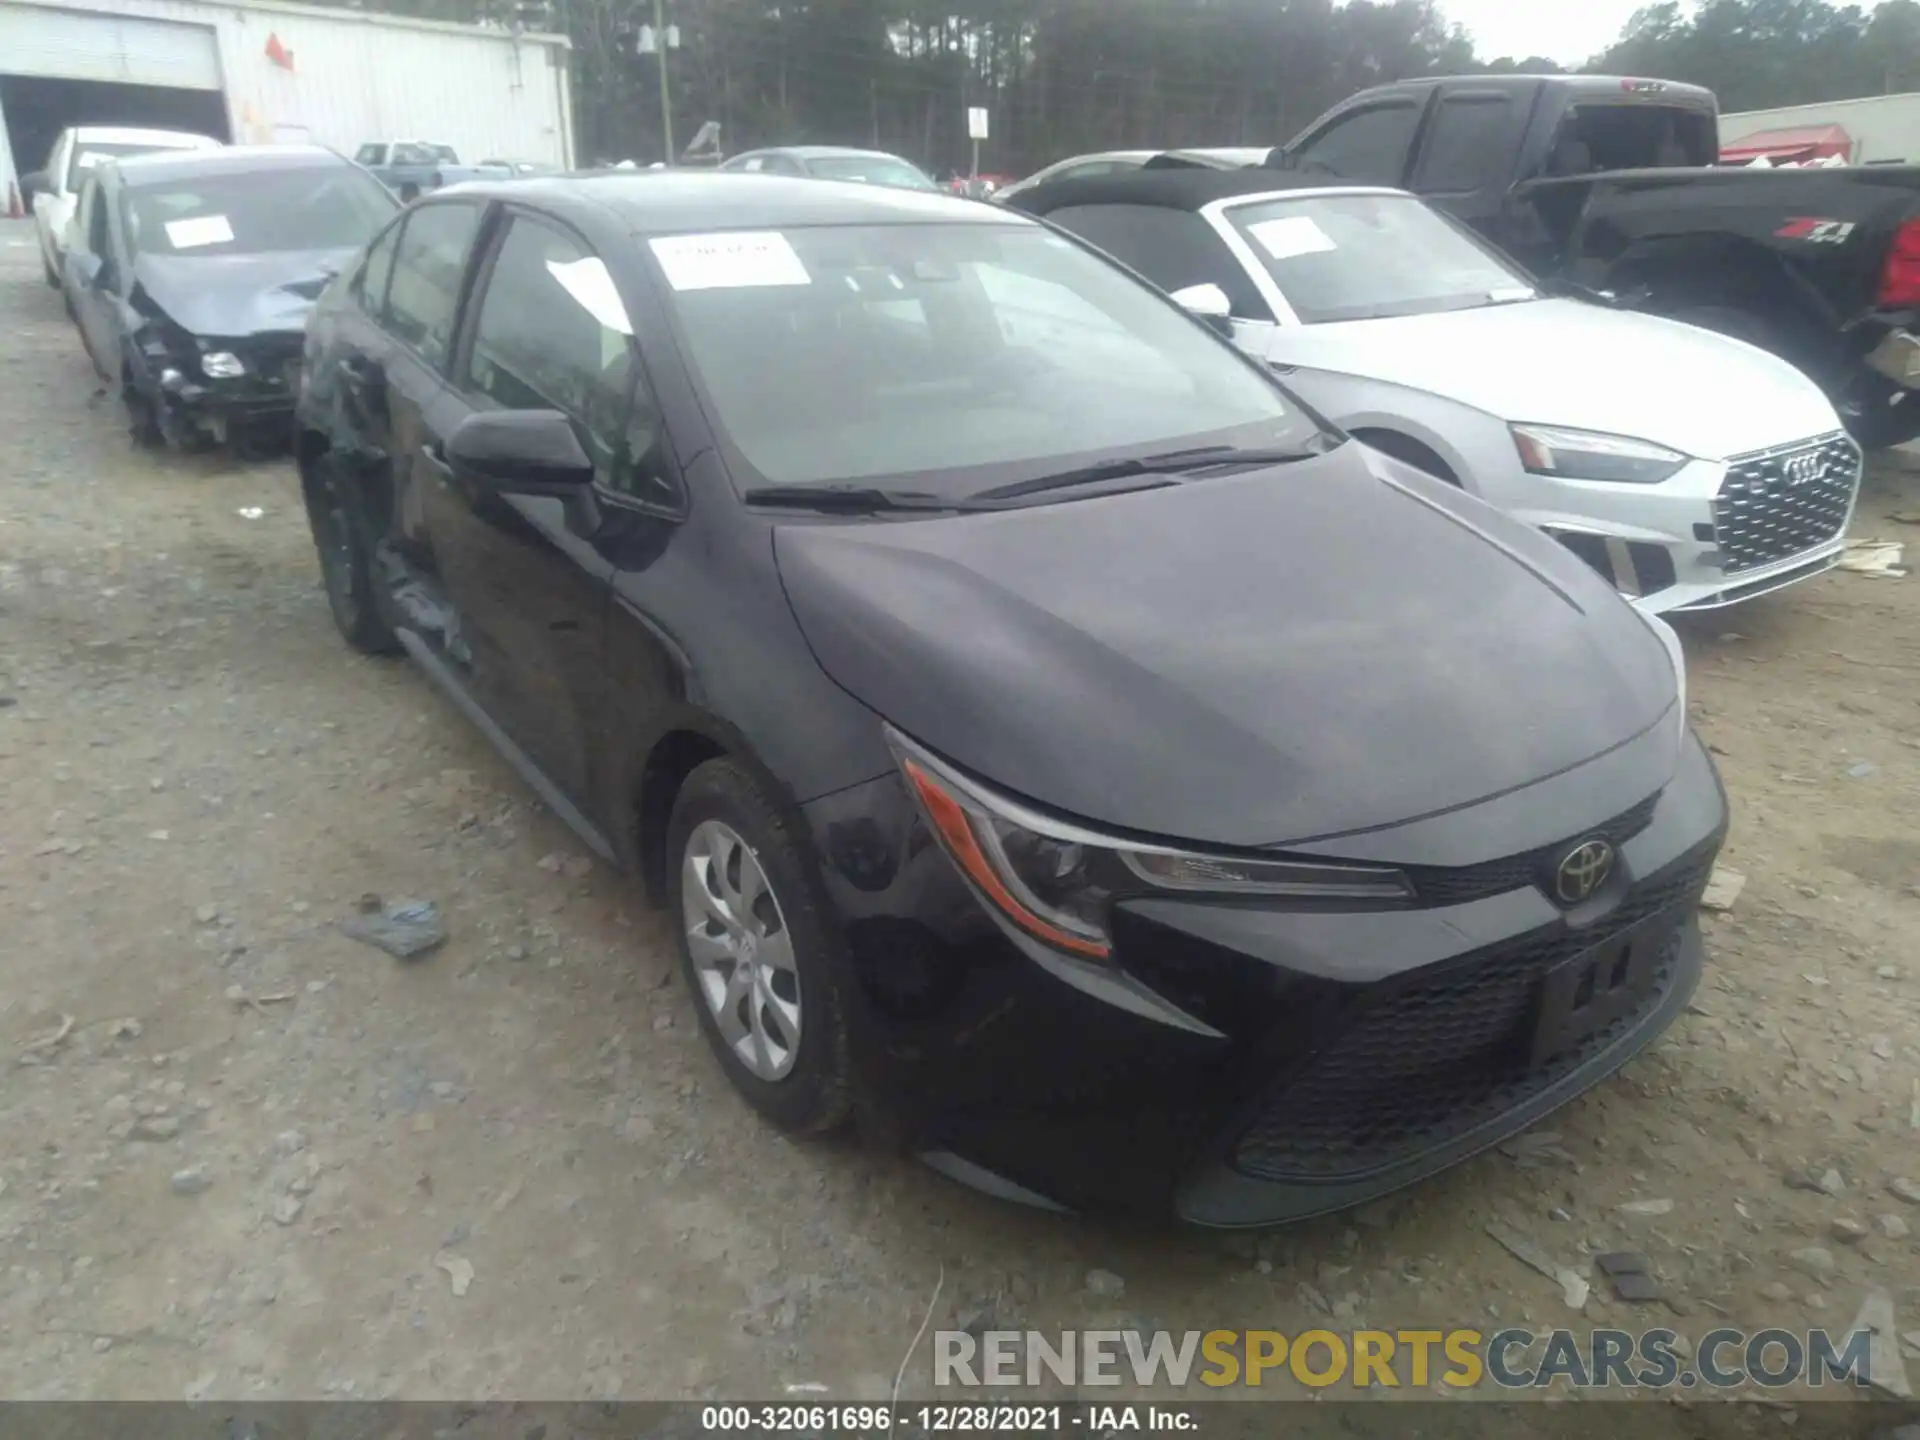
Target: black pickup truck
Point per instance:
(1607, 186)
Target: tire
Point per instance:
(143, 419)
(1408, 451)
(346, 569)
(46, 269)
(724, 822)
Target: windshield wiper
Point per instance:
(847, 499)
(1148, 468)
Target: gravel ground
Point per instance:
(245, 1157)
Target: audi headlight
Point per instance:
(1670, 638)
(1589, 455)
(1055, 881)
(221, 365)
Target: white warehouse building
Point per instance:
(259, 72)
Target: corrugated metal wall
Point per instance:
(1884, 128)
(358, 77)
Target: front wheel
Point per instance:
(757, 951)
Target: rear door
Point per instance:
(544, 330)
(407, 365)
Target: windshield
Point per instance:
(965, 355)
(89, 153)
(332, 207)
(1366, 257)
(872, 169)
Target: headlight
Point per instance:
(1670, 638)
(221, 365)
(1588, 455)
(1055, 880)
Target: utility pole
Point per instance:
(666, 100)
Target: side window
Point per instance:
(99, 228)
(414, 155)
(1471, 144)
(781, 165)
(370, 284)
(552, 334)
(1368, 145)
(370, 155)
(425, 287)
(1172, 248)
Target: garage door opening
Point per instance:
(39, 107)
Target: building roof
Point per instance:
(1179, 189)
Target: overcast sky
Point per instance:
(1569, 31)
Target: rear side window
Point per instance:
(552, 334)
(370, 285)
(427, 267)
(1172, 248)
(1471, 144)
(1369, 145)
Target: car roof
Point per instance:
(1581, 85)
(1185, 188)
(668, 202)
(130, 135)
(227, 160)
(829, 152)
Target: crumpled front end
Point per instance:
(218, 390)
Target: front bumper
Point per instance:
(1249, 1064)
(261, 400)
(1717, 533)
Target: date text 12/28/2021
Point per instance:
(823, 1420)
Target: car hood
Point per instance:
(1572, 363)
(237, 295)
(1299, 652)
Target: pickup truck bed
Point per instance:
(1819, 266)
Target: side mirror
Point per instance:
(520, 452)
(1210, 303)
(528, 452)
(35, 182)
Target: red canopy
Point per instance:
(1804, 142)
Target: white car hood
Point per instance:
(1571, 363)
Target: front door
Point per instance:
(94, 281)
(545, 332)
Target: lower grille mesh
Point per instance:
(1437, 1057)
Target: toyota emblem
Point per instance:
(1582, 870)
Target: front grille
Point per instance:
(1426, 1061)
(1437, 885)
(1776, 504)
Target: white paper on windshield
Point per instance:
(741, 260)
(1295, 235)
(200, 230)
(588, 282)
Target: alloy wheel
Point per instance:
(741, 949)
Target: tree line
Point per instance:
(1061, 77)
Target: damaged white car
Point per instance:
(1691, 469)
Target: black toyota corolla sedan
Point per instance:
(1055, 746)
